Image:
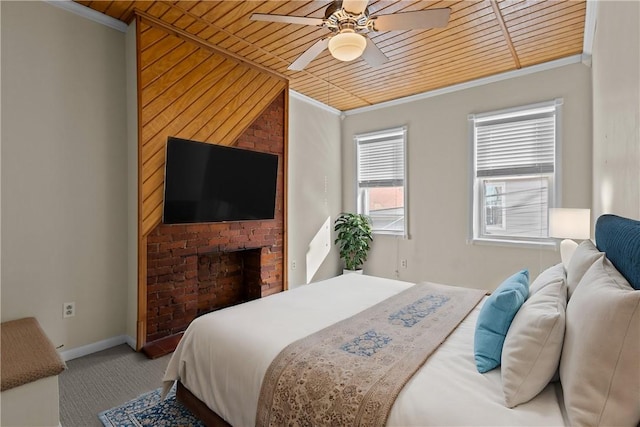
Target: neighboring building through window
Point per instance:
(381, 180)
(495, 205)
(515, 172)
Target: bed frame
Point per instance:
(199, 408)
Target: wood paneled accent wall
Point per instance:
(190, 89)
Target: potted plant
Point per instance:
(354, 235)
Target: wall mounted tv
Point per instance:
(213, 183)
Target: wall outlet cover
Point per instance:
(68, 309)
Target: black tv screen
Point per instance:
(211, 183)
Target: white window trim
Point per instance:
(555, 198)
(404, 129)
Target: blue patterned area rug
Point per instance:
(149, 410)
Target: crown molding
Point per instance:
(575, 59)
(89, 13)
(314, 102)
(589, 31)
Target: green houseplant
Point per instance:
(353, 238)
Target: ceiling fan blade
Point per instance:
(373, 55)
(356, 7)
(302, 20)
(309, 55)
(420, 19)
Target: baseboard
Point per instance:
(85, 350)
(131, 342)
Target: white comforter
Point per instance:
(223, 356)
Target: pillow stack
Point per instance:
(586, 322)
(522, 328)
(583, 321)
(534, 341)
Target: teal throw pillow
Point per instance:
(495, 318)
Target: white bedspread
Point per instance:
(223, 356)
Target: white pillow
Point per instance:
(533, 344)
(553, 274)
(599, 367)
(585, 255)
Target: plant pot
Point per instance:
(345, 271)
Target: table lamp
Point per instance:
(569, 224)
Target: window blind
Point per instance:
(381, 159)
(516, 145)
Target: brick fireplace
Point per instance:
(193, 269)
(188, 280)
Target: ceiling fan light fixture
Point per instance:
(347, 45)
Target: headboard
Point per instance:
(619, 239)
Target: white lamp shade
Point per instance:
(570, 223)
(347, 46)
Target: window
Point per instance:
(381, 189)
(515, 172)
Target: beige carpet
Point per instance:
(103, 380)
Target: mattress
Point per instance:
(224, 355)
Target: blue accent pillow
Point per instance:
(495, 318)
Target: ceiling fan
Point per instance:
(349, 22)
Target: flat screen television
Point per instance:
(213, 183)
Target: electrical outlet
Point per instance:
(403, 263)
(68, 309)
(293, 265)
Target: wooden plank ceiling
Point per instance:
(482, 38)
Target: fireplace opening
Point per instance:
(227, 278)
(195, 284)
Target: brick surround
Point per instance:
(196, 268)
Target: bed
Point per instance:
(221, 362)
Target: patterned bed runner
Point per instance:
(350, 373)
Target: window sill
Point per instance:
(525, 244)
(390, 233)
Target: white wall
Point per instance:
(315, 184)
(438, 177)
(0, 163)
(64, 173)
(616, 109)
